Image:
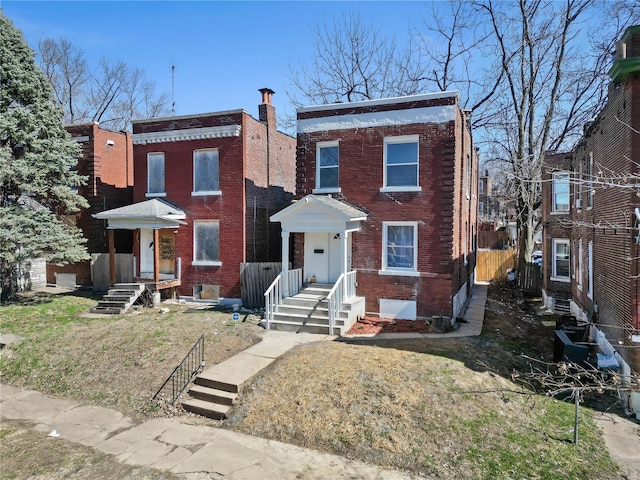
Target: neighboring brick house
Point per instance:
(107, 162)
(205, 187)
(387, 188)
(601, 239)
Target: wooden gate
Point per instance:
(492, 265)
(530, 280)
(255, 278)
(100, 277)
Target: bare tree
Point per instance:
(111, 92)
(533, 71)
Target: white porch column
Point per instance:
(285, 262)
(344, 244)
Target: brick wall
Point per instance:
(614, 148)
(107, 162)
(441, 208)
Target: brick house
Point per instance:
(205, 187)
(107, 162)
(599, 243)
(387, 190)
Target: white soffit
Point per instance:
(201, 133)
(437, 114)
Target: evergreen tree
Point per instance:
(37, 160)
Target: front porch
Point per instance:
(320, 296)
(322, 308)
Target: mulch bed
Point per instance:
(371, 325)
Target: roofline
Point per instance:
(380, 101)
(186, 117)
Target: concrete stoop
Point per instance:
(210, 397)
(308, 312)
(119, 298)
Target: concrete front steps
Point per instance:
(308, 312)
(210, 397)
(119, 298)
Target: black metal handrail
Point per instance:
(183, 374)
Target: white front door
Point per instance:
(322, 256)
(146, 253)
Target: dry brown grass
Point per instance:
(113, 361)
(27, 453)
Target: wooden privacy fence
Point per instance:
(100, 270)
(492, 265)
(493, 240)
(530, 280)
(255, 278)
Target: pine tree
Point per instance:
(37, 160)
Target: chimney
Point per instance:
(266, 110)
(627, 55)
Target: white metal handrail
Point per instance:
(285, 284)
(344, 289)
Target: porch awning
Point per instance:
(319, 213)
(152, 214)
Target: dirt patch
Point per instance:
(370, 325)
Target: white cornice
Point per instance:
(201, 133)
(380, 101)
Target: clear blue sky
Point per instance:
(223, 51)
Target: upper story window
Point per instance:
(327, 161)
(155, 175)
(401, 164)
(590, 180)
(560, 258)
(481, 186)
(399, 248)
(205, 172)
(206, 242)
(560, 192)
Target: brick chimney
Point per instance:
(627, 55)
(266, 110)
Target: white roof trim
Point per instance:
(381, 101)
(410, 116)
(200, 133)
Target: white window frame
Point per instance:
(407, 272)
(481, 209)
(481, 186)
(590, 266)
(401, 188)
(468, 176)
(319, 147)
(163, 193)
(590, 183)
(210, 263)
(554, 274)
(196, 193)
(554, 207)
(579, 267)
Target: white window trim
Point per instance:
(579, 279)
(202, 263)
(400, 188)
(590, 266)
(403, 272)
(553, 194)
(318, 189)
(164, 164)
(554, 277)
(203, 193)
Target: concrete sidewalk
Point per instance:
(193, 451)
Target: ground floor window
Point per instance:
(206, 242)
(400, 247)
(560, 258)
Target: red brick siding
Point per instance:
(615, 148)
(228, 208)
(434, 208)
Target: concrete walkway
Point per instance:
(193, 451)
